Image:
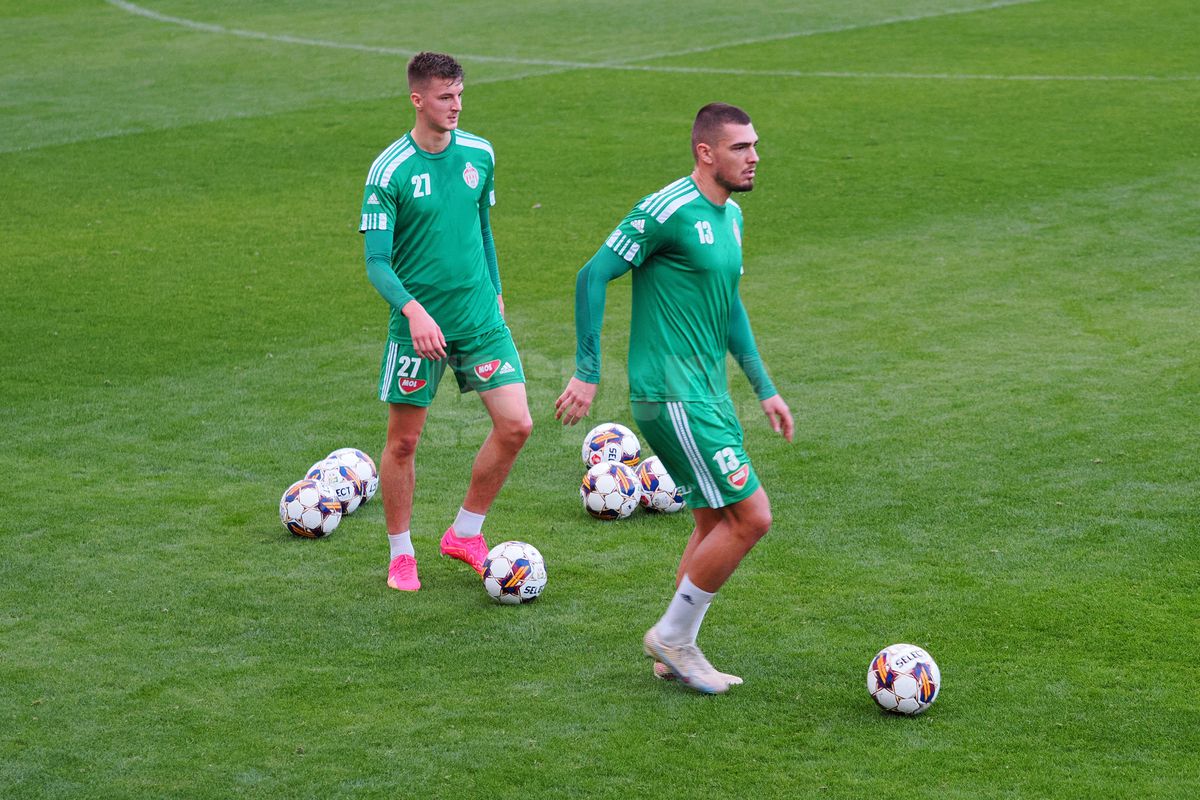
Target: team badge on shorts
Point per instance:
(471, 175)
(410, 385)
(737, 479)
(486, 370)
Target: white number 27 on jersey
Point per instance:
(421, 185)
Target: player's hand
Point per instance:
(500, 301)
(427, 338)
(780, 416)
(575, 401)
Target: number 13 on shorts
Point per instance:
(727, 460)
(735, 473)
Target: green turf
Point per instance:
(973, 268)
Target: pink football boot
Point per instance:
(402, 574)
(471, 551)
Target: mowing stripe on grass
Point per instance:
(209, 27)
(633, 65)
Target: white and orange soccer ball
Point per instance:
(342, 480)
(309, 509)
(611, 442)
(364, 468)
(659, 492)
(610, 490)
(513, 573)
(904, 679)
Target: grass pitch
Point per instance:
(972, 268)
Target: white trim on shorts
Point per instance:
(708, 487)
(389, 373)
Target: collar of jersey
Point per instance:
(426, 153)
(711, 204)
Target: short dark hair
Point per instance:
(710, 120)
(425, 66)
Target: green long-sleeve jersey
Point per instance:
(435, 207)
(686, 257)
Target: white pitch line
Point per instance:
(853, 26)
(631, 65)
(917, 76)
(208, 27)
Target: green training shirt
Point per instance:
(433, 204)
(686, 255)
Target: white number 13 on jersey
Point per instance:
(705, 231)
(421, 185)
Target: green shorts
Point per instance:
(480, 363)
(701, 445)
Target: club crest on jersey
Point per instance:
(737, 479)
(410, 385)
(471, 175)
(486, 370)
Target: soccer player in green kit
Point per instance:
(684, 245)
(430, 254)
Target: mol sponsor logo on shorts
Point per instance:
(486, 370)
(737, 478)
(410, 385)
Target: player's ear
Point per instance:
(415, 97)
(703, 153)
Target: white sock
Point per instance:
(401, 544)
(468, 524)
(694, 628)
(685, 613)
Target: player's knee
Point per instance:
(756, 520)
(761, 522)
(402, 447)
(515, 432)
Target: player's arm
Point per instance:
(378, 252)
(591, 291)
(745, 352)
(489, 254)
(428, 341)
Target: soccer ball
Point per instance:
(514, 572)
(363, 467)
(659, 492)
(611, 442)
(309, 509)
(610, 490)
(343, 481)
(904, 679)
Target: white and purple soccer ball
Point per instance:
(610, 490)
(513, 573)
(904, 679)
(363, 467)
(342, 480)
(659, 492)
(611, 442)
(309, 509)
